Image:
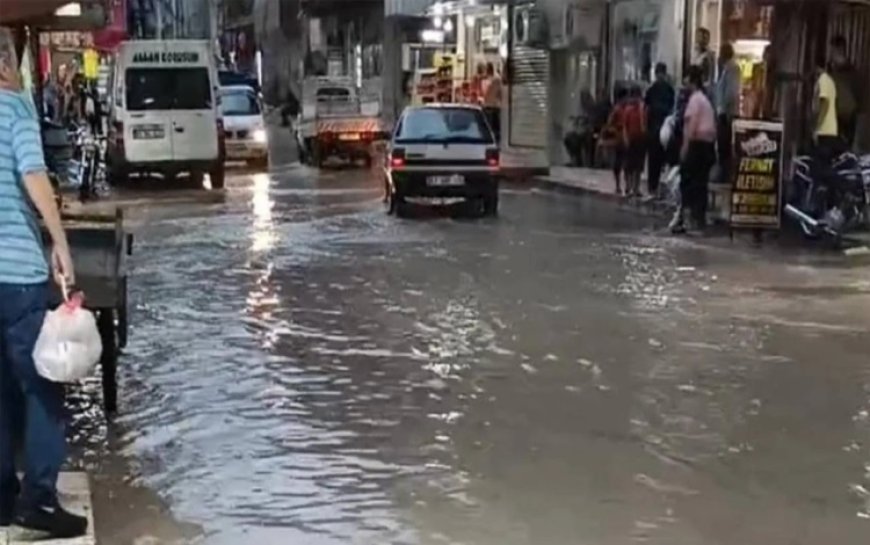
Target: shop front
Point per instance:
(577, 72)
(777, 45)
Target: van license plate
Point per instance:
(445, 181)
(349, 137)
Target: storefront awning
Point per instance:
(22, 11)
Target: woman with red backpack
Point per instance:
(634, 137)
(612, 136)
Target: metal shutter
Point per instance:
(529, 117)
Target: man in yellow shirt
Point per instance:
(826, 131)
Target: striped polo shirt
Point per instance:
(22, 258)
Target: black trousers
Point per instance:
(657, 160)
(493, 115)
(695, 177)
(848, 128)
(726, 146)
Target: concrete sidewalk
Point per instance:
(598, 184)
(75, 495)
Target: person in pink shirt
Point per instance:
(698, 153)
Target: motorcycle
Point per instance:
(829, 199)
(88, 163)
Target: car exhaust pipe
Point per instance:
(801, 216)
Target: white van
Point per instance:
(164, 113)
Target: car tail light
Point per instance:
(397, 158)
(493, 158)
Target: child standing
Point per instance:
(634, 125)
(613, 135)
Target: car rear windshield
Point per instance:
(168, 89)
(239, 104)
(460, 125)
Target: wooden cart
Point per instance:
(100, 247)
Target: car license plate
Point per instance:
(446, 181)
(350, 137)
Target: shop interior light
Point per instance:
(753, 48)
(469, 21)
(73, 9)
(432, 36)
(448, 26)
(437, 21)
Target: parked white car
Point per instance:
(244, 125)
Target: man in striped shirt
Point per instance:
(31, 408)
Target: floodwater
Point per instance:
(304, 369)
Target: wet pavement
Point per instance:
(303, 368)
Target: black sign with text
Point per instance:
(756, 190)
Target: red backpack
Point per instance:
(634, 120)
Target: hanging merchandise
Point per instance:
(91, 64)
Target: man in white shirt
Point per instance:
(727, 107)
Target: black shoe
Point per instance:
(6, 516)
(50, 523)
(7, 503)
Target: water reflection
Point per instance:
(263, 234)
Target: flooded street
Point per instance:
(303, 368)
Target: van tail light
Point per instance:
(493, 158)
(397, 158)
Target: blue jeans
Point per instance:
(31, 407)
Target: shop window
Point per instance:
(635, 40)
(372, 61)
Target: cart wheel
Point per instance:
(109, 359)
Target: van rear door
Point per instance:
(148, 127)
(194, 119)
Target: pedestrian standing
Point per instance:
(826, 132)
(727, 107)
(28, 402)
(705, 58)
(698, 153)
(612, 136)
(492, 99)
(634, 135)
(847, 81)
(660, 98)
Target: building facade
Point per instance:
(170, 19)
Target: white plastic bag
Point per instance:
(671, 185)
(69, 344)
(667, 131)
